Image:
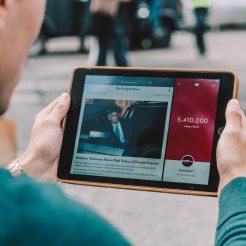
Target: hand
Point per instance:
(40, 159)
(231, 151)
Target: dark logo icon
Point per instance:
(187, 160)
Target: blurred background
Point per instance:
(151, 33)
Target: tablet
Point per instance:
(145, 129)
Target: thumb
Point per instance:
(61, 107)
(233, 114)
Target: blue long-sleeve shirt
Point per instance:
(40, 214)
(231, 228)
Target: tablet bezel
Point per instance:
(228, 89)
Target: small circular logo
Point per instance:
(187, 160)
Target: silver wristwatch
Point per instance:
(14, 168)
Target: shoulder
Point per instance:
(30, 208)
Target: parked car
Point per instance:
(223, 13)
(171, 15)
(141, 34)
(68, 18)
(62, 18)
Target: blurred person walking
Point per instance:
(82, 7)
(107, 18)
(154, 14)
(201, 10)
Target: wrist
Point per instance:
(34, 166)
(29, 165)
(228, 178)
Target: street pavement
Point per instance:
(145, 218)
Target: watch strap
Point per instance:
(14, 168)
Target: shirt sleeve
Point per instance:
(32, 213)
(231, 227)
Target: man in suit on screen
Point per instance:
(116, 126)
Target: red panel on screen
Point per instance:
(192, 119)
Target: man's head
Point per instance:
(114, 114)
(20, 22)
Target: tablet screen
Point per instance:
(146, 128)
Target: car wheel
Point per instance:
(38, 47)
(162, 36)
(146, 43)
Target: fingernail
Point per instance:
(64, 97)
(235, 103)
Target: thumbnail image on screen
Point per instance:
(123, 128)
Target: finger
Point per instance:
(61, 108)
(50, 107)
(233, 115)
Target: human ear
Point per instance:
(2, 17)
(4, 7)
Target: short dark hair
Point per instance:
(3, 2)
(113, 109)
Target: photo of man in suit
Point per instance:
(115, 126)
(133, 129)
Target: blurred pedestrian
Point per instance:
(82, 9)
(107, 25)
(154, 14)
(201, 10)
